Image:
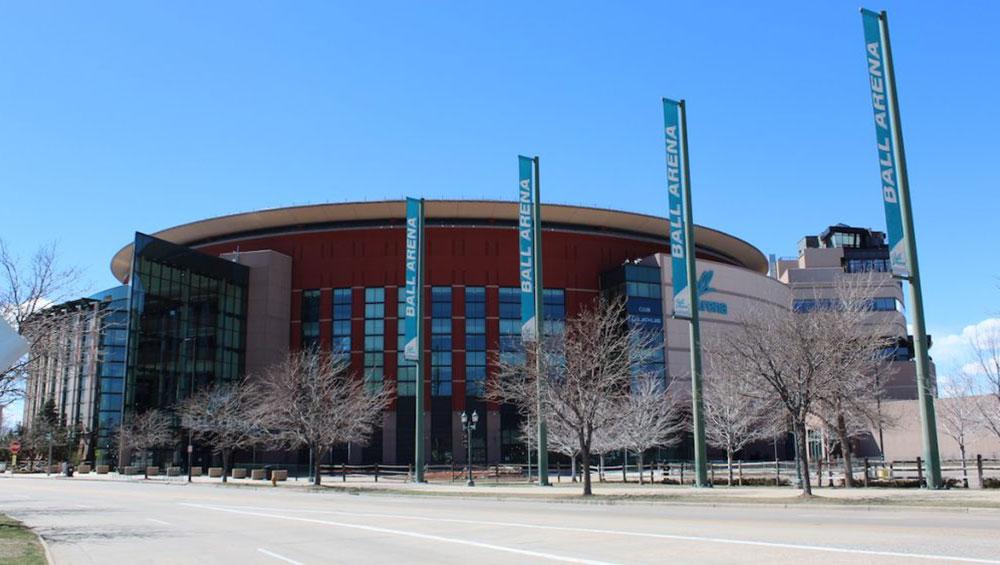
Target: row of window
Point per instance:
(441, 346)
(880, 304)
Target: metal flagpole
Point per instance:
(418, 451)
(924, 388)
(536, 242)
(697, 402)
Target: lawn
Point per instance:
(18, 544)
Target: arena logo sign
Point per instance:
(704, 286)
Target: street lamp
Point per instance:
(469, 424)
(194, 360)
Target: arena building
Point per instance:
(216, 298)
(213, 300)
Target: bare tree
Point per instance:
(736, 414)
(785, 354)
(227, 417)
(959, 414)
(314, 401)
(985, 345)
(857, 338)
(26, 288)
(650, 416)
(145, 431)
(586, 374)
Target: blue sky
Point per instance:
(140, 116)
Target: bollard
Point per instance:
(343, 472)
(866, 471)
(376, 472)
(920, 472)
(979, 469)
(739, 467)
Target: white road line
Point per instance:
(155, 521)
(778, 545)
(281, 557)
(538, 554)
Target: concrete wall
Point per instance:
(269, 304)
(903, 440)
(739, 289)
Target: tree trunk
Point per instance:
(800, 440)
(225, 465)
(965, 472)
(585, 457)
(845, 451)
(819, 467)
(729, 463)
(572, 462)
(317, 460)
(639, 460)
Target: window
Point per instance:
(374, 360)
(341, 343)
(554, 311)
(475, 341)
(406, 371)
(310, 318)
(441, 341)
(511, 350)
(868, 266)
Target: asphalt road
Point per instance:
(135, 522)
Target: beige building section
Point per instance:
(269, 307)
(904, 442)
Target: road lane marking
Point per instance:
(155, 521)
(679, 537)
(281, 557)
(529, 553)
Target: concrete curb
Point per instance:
(45, 548)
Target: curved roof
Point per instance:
(298, 218)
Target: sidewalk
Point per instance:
(606, 493)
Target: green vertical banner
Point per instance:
(413, 312)
(884, 107)
(899, 218)
(413, 277)
(527, 217)
(683, 267)
(683, 299)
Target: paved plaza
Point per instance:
(135, 521)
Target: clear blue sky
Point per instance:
(135, 116)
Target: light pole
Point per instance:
(469, 424)
(194, 360)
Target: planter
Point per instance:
(173, 471)
(196, 471)
(258, 474)
(239, 473)
(131, 470)
(103, 469)
(215, 472)
(55, 469)
(152, 471)
(83, 468)
(279, 474)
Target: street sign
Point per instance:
(15, 447)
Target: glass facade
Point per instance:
(441, 341)
(310, 319)
(111, 371)
(187, 323)
(341, 331)
(475, 341)
(641, 286)
(374, 338)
